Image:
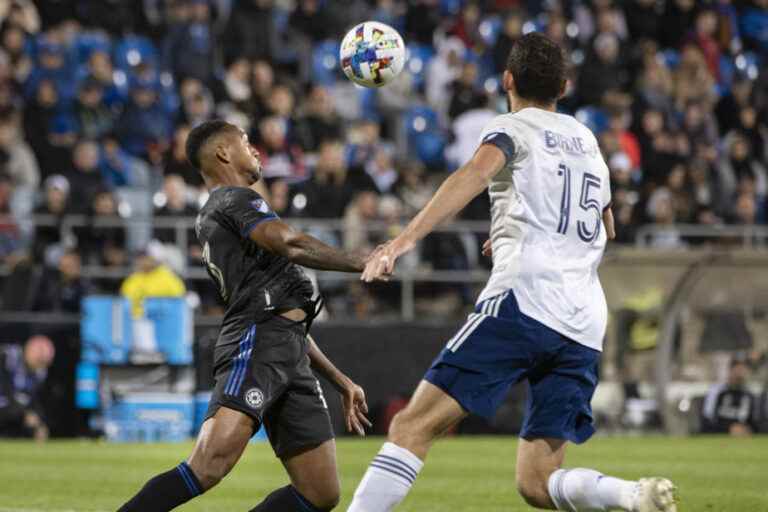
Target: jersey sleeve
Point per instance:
(246, 209)
(500, 133)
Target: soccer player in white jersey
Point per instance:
(542, 316)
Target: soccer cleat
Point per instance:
(654, 495)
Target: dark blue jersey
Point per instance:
(254, 283)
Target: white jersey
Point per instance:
(547, 231)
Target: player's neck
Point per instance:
(517, 104)
(225, 179)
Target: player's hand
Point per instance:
(487, 249)
(381, 263)
(355, 409)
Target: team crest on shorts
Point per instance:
(254, 398)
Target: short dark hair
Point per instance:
(538, 66)
(200, 135)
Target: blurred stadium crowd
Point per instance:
(97, 96)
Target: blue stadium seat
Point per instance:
(369, 107)
(417, 58)
(593, 117)
(490, 28)
(450, 7)
(430, 149)
(325, 63)
(420, 119)
(133, 50)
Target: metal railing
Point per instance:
(747, 235)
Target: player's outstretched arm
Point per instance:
(352, 395)
(453, 195)
(280, 238)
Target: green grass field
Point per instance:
(468, 474)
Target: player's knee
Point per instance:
(409, 429)
(533, 489)
(401, 431)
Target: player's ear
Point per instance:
(563, 89)
(222, 154)
(508, 81)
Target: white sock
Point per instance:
(387, 481)
(586, 490)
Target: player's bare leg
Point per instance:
(537, 459)
(220, 444)
(543, 485)
(430, 413)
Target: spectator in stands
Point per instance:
(693, 79)
(236, 84)
(196, 102)
(729, 407)
(20, 165)
(95, 118)
(14, 43)
(318, 121)
(61, 289)
(102, 240)
(174, 203)
(143, 122)
(262, 80)
(603, 71)
(189, 47)
(10, 236)
(150, 278)
(39, 113)
(361, 212)
(466, 94)
(55, 204)
(381, 169)
(442, 71)
(412, 188)
(250, 31)
(120, 169)
(661, 210)
(279, 157)
(703, 36)
(175, 159)
(311, 20)
(22, 373)
(85, 178)
(737, 165)
(99, 68)
(618, 122)
(512, 30)
(330, 189)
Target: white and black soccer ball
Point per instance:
(372, 54)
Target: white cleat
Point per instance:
(654, 495)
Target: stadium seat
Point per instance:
(419, 119)
(325, 63)
(593, 117)
(133, 50)
(490, 28)
(417, 58)
(430, 149)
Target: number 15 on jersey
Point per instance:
(587, 230)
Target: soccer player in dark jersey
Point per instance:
(263, 355)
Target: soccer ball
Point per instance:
(372, 54)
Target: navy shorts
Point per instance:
(499, 346)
